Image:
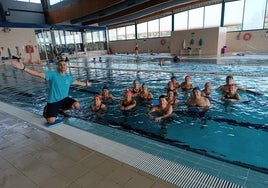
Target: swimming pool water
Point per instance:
(235, 133)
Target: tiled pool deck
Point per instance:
(35, 156)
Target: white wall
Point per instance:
(18, 37)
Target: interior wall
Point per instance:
(15, 39)
(212, 40)
(257, 43)
(145, 46)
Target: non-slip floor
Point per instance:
(32, 157)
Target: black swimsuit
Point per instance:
(226, 96)
(98, 108)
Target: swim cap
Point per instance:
(207, 83)
(187, 76)
(144, 85)
(98, 96)
(105, 87)
(229, 77)
(197, 88)
(128, 92)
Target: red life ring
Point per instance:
(163, 41)
(247, 36)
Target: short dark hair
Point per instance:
(229, 77)
(162, 96)
(173, 77)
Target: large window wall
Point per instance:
(239, 15)
(56, 42)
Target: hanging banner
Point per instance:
(29, 49)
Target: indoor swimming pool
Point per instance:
(235, 132)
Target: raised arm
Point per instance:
(87, 83)
(21, 66)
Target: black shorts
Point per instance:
(53, 108)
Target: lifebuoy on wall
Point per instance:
(247, 36)
(163, 41)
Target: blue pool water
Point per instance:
(236, 133)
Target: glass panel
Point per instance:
(69, 37)
(153, 28)
(181, 21)
(130, 31)
(121, 33)
(88, 37)
(96, 37)
(102, 36)
(142, 30)
(254, 17)
(266, 18)
(35, 1)
(112, 34)
(57, 37)
(165, 26)
(48, 34)
(53, 2)
(233, 15)
(212, 16)
(196, 18)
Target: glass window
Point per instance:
(53, 2)
(31, 1)
(88, 37)
(233, 15)
(212, 16)
(102, 36)
(69, 37)
(35, 1)
(47, 37)
(165, 26)
(121, 33)
(153, 28)
(181, 21)
(77, 37)
(112, 34)
(40, 37)
(254, 17)
(196, 18)
(142, 30)
(266, 18)
(96, 37)
(130, 30)
(57, 37)
(61, 34)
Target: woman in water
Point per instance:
(136, 89)
(128, 102)
(171, 99)
(97, 106)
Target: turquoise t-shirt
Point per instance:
(59, 85)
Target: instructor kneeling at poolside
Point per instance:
(59, 85)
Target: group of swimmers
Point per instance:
(59, 101)
(198, 101)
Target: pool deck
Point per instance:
(33, 156)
